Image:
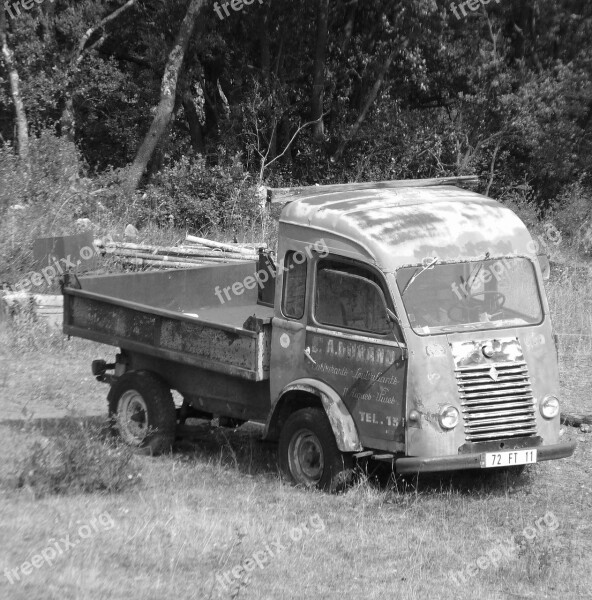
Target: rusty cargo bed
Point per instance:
(176, 315)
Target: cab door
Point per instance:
(355, 346)
(288, 341)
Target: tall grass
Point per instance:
(66, 456)
(24, 331)
(570, 300)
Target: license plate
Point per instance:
(508, 459)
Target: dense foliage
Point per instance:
(406, 90)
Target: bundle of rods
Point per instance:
(195, 251)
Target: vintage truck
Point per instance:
(402, 321)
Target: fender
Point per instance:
(342, 423)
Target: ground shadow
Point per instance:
(243, 449)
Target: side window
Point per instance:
(349, 300)
(294, 292)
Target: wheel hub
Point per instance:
(306, 458)
(133, 417)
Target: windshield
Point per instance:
(473, 295)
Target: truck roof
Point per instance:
(403, 226)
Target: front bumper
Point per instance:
(473, 460)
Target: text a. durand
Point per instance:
(369, 354)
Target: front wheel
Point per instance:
(142, 411)
(309, 455)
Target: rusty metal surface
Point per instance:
(470, 353)
(235, 316)
(207, 390)
(234, 351)
(176, 315)
(495, 392)
(392, 229)
(435, 364)
(174, 322)
(344, 428)
(402, 227)
(364, 371)
(369, 375)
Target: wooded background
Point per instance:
(166, 104)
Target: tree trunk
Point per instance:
(318, 86)
(367, 104)
(67, 120)
(195, 130)
(168, 91)
(22, 126)
(349, 26)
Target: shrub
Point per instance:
(56, 167)
(73, 459)
(45, 201)
(573, 215)
(24, 331)
(189, 194)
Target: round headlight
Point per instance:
(550, 407)
(449, 417)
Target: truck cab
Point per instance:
(421, 320)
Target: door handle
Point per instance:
(307, 354)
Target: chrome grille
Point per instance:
(496, 409)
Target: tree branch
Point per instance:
(492, 170)
(369, 101)
(89, 32)
(264, 166)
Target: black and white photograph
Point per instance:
(295, 299)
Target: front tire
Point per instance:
(308, 452)
(142, 412)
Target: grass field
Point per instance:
(177, 524)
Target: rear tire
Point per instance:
(142, 412)
(308, 452)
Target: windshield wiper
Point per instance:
(417, 273)
(476, 271)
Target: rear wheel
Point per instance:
(142, 411)
(309, 455)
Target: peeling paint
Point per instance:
(342, 424)
(400, 228)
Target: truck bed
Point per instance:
(176, 315)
